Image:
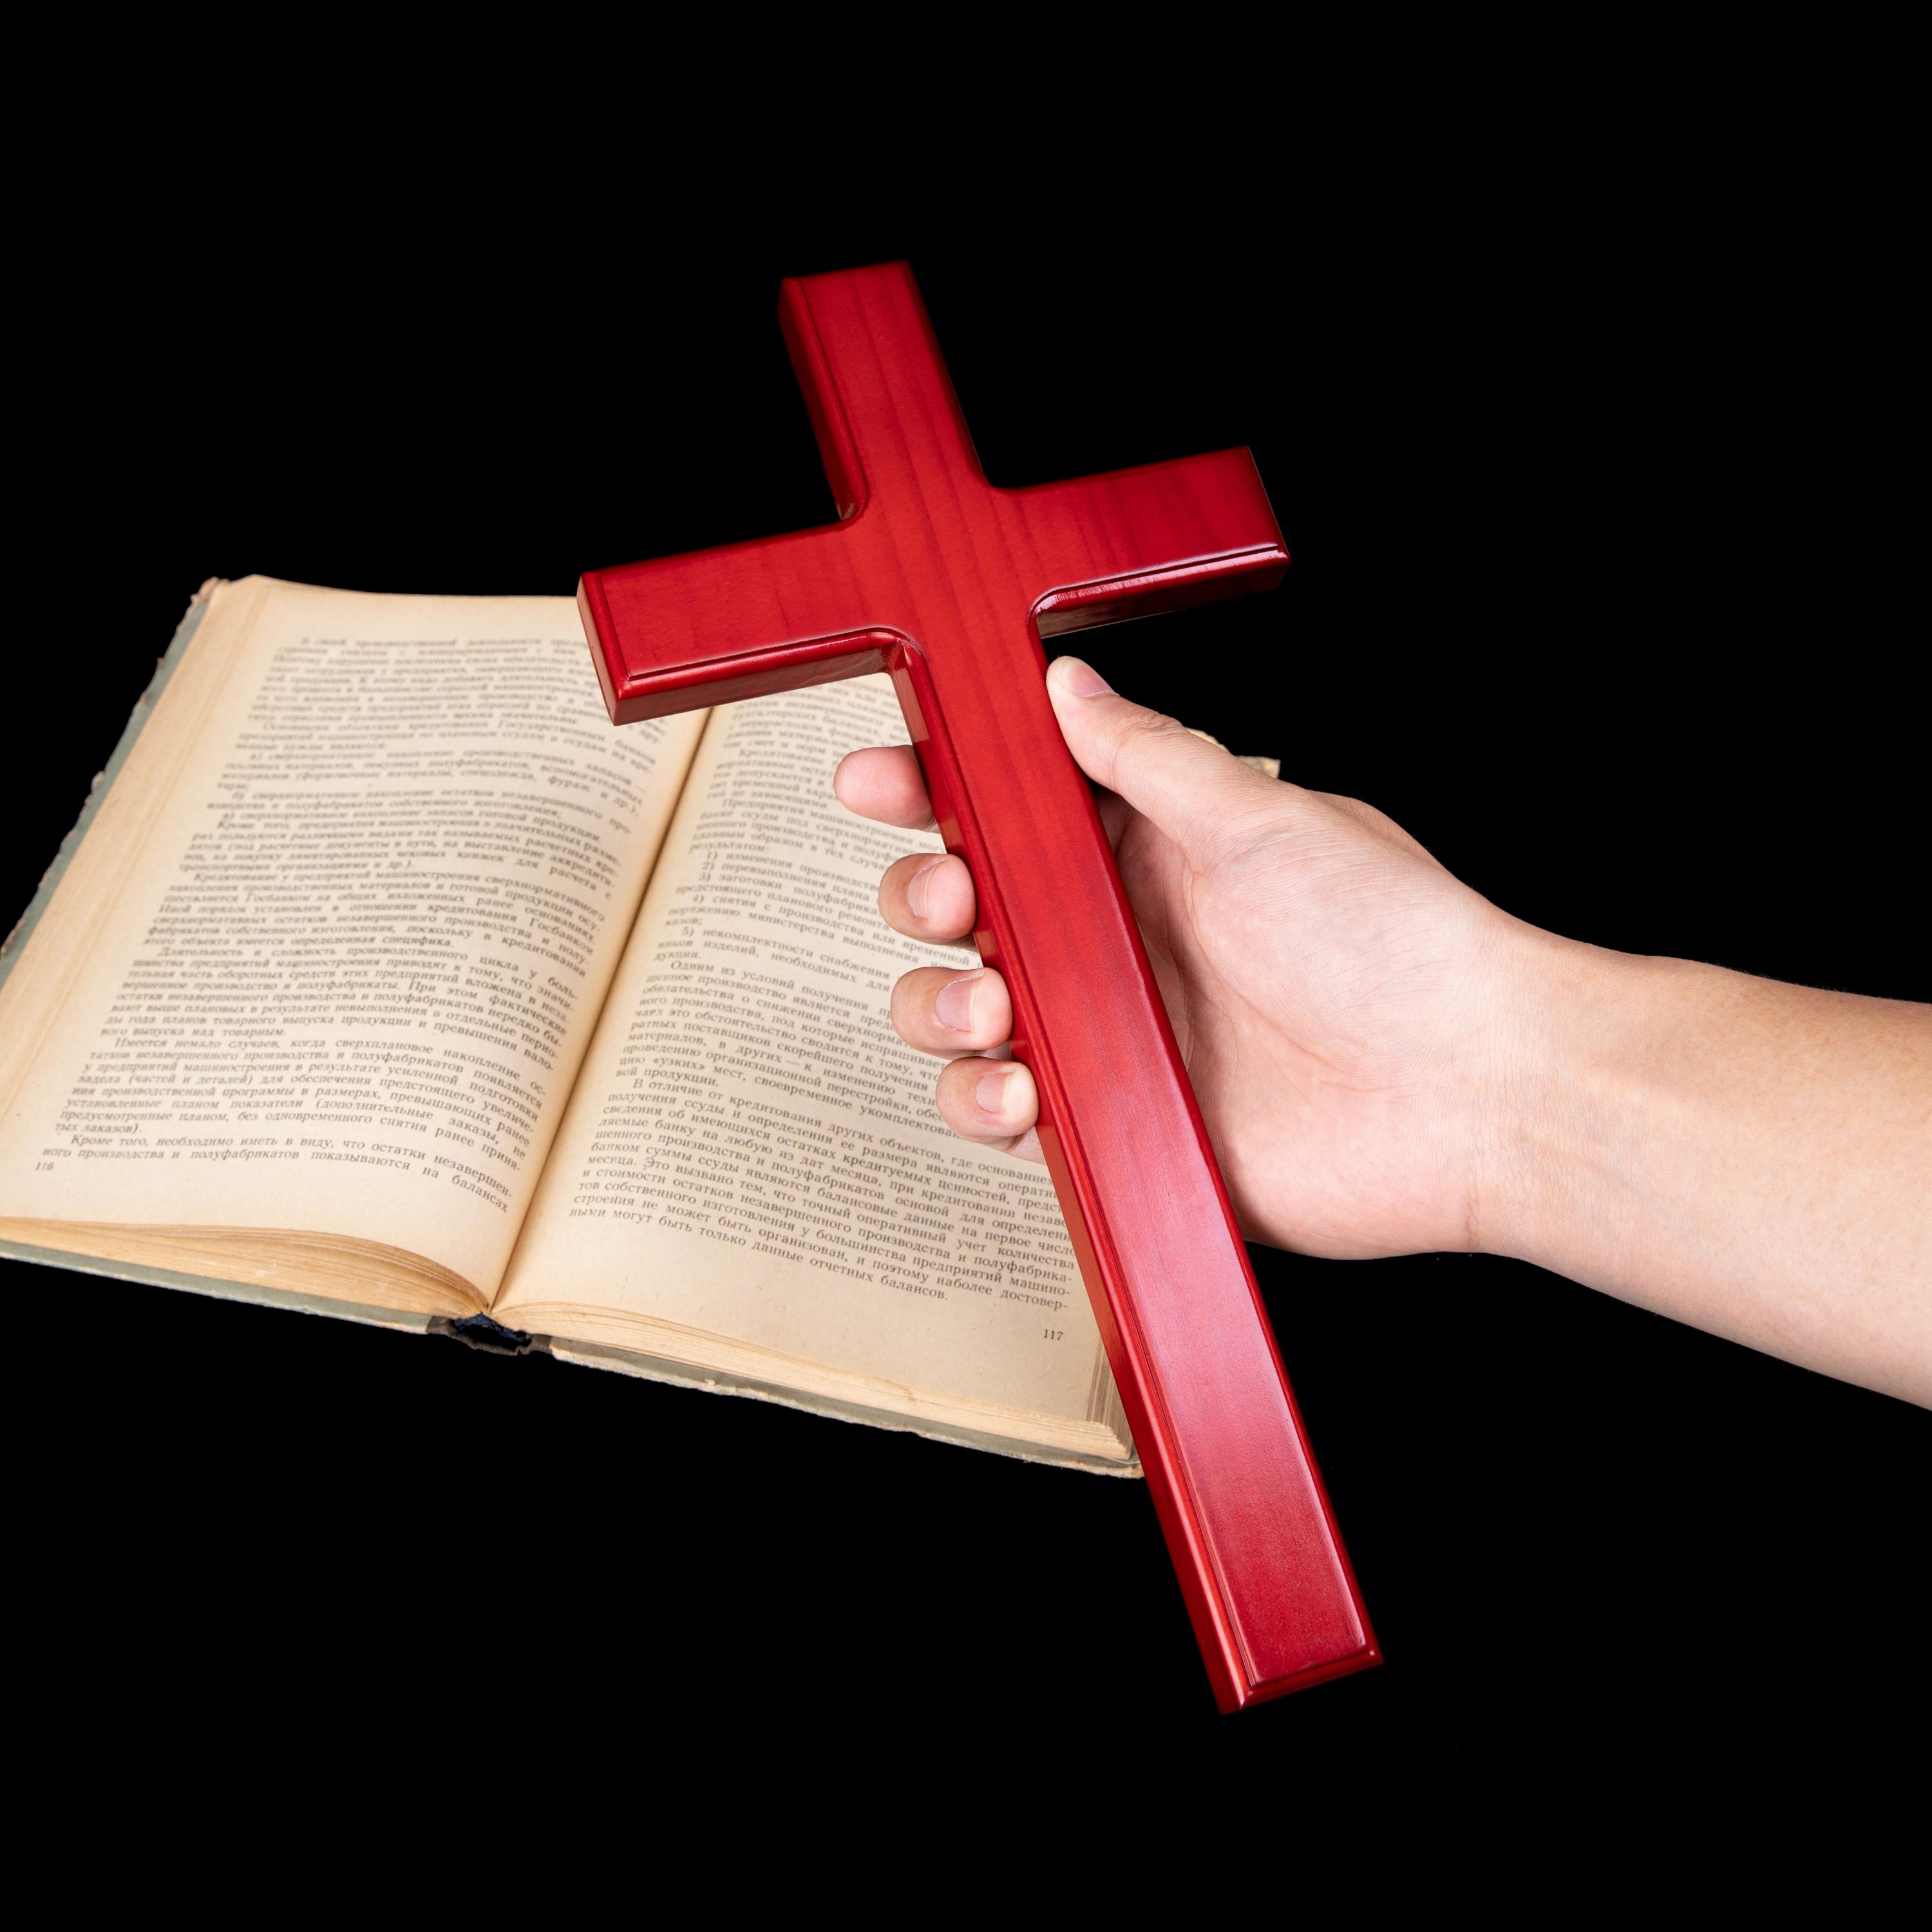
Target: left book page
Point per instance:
(306, 1003)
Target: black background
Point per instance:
(1599, 566)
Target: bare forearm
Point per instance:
(1752, 1158)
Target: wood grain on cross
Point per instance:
(949, 584)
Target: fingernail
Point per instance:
(1077, 678)
(995, 1090)
(919, 887)
(955, 1003)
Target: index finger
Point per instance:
(886, 784)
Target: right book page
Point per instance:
(751, 1176)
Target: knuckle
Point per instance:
(1144, 735)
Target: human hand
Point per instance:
(1388, 1063)
(1338, 996)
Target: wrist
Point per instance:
(1579, 1046)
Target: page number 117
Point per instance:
(1053, 1334)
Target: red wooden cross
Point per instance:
(950, 584)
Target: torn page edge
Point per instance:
(15, 941)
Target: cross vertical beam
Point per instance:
(948, 583)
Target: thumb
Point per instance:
(1193, 790)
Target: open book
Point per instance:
(383, 977)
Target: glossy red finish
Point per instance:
(949, 584)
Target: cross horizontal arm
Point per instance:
(732, 620)
(1136, 541)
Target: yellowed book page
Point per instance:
(329, 956)
(752, 1154)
